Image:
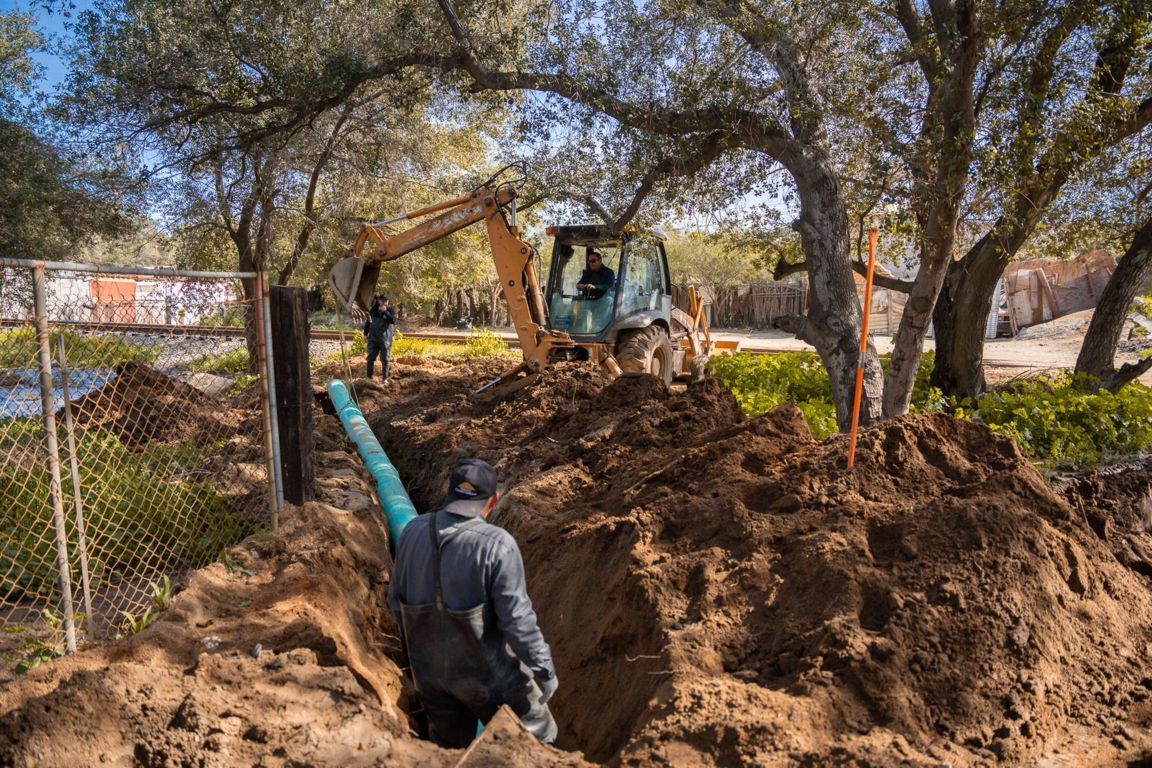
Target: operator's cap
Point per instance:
(472, 483)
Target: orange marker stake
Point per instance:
(873, 237)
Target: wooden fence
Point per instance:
(754, 305)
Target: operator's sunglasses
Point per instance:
(593, 260)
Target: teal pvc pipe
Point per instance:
(398, 508)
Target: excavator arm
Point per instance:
(353, 278)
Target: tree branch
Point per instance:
(714, 145)
(884, 281)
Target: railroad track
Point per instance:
(149, 329)
(510, 339)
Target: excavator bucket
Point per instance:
(353, 280)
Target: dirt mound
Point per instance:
(1116, 503)
(142, 405)
(716, 591)
(281, 656)
(725, 592)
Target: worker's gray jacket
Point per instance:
(480, 564)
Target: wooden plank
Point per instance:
(290, 336)
(1048, 296)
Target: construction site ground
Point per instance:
(716, 592)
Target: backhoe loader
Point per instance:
(629, 327)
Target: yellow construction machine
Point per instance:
(630, 327)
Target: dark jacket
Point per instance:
(381, 325)
(603, 278)
(480, 566)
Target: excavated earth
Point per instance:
(716, 591)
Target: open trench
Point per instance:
(715, 592)
(605, 632)
(718, 592)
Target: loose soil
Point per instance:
(143, 405)
(716, 591)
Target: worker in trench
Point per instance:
(459, 596)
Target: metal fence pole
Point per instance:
(74, 462)
(268, 390)
(49, 407)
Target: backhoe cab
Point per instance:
(631, 326)
(634, 321)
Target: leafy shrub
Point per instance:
(1066, 422)
(236, 361)
(231, 317)
(1059, 422)
(482, 343)
(19, 349)
(138, 507)
(762, 382)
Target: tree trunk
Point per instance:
(909, 347)
(832, 325)
(1098, 351)
(961, 316)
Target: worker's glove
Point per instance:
(547, 688)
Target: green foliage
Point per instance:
(719, 260)
(762, 382)
(136, 505)
(237, 361)
(1060, 422)
(18, 349)
(47, 208)
(135, 625)
(1066, 422)
(160, 594)
(38, 650)
(483, 342)
(231, 317)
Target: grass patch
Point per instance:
(762, 382)
(481, 343)
(235, 362)
(19, 349)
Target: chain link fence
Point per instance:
(135, 443)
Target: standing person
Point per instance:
(379, 330)
(459, 597)
(597, 278)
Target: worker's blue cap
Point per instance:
(473, 482)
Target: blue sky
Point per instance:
(53, 27)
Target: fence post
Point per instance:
(289, 341)
(74, 465)
(268, 389)
(48, 404)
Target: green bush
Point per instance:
(141, 509)
(236, 361)
(481, 343)
(18, 349)
(1065, 422)
(1059, 422)
(231, 317)
(762, 382)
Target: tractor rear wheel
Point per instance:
(647, 350)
